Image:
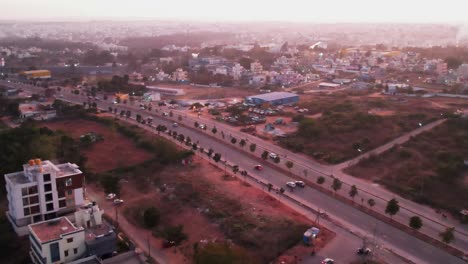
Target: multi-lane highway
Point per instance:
(351, 218)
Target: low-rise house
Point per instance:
(37, 111)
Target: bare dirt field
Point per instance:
(114, 151)
(202, 93)
(216, 208)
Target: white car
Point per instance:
(175, 125)
(165, 114)
(273, 155)
(118, 201)
(201, 126)
(110, 196)
(291, 184)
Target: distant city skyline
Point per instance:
(330, 11)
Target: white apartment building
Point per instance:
(237, 71)
(42, 191)
(256, 68)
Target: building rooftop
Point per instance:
(17, 177)
(97, 232)
(53, 229)
(273, 96)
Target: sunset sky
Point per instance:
(428, 11)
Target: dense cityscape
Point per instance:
(185, 141)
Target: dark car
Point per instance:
(300, 184)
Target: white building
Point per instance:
(256, 67)
(42, 191)
(179, 75)
(56, 241)
(237, 71)
(60, 241)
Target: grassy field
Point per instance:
(428, 169)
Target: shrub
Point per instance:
(151, 217)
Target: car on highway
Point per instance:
(328, 261)
(258, 167)
(300, 184)
(165, 113)
(273, 155)
(118, 201)
(175, 125)
(201, 126)
(110, 196)
(291, 184)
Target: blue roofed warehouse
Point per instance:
(274, 98)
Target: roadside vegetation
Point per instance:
(428, 169)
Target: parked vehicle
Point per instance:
(300, 184)
(328, 261)
(175, 125)
(291, 184)
(258, 167)
(110, 196)
(118, 201)
(273, 155)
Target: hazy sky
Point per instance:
(241, 10)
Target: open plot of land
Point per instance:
(212, 207)
(429, 168)
(114, 151)
(203, 92)
(350, 125)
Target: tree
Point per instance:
(448, 235)
(253, 147)
(194, 146)
(415, 222)
(110, 183)
(336, 185)
(353, 192)
(289, 164)
(235, 169)
(392, 208)
(179, 118)
(210, 152)
(453, 63)
(233, 140)
(320, 180)
(138, 118)
(122, 113)
(265, 155)
(217, 157)
(371, 202)
(196, 125)
(128, 113)
(174, 233)
(110, 109)
(214, 130)
(277, 159)
(242, 142)
(151, 217)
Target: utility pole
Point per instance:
(149, 247)
(116, 217)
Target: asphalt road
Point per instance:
(351, 218)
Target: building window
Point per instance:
(47, 187)
(50, 206)
(24, 191)
(34, 199)
(35, 209)
(26, 211)
(47, 177)
(68, 182)
(61, 194)
(70, 240)
(75, 251)
(48, 197)
(62, 203)
(25, 201)
(66, 253)
(33, 190)
(69, 192)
